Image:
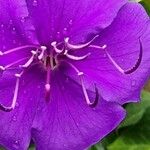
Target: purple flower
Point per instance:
(67, 67)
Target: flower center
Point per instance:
(50, 59)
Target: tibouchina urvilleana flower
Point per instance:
(66, 67)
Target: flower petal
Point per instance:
(78, 18)
(15, 24)
(15, 126)
(67, 122)
(123, 44)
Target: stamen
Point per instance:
(98, 47)
(17, 49)
(81, 74)
(1, 53)
(79, 46)
(54, 45)
(2, 68)
(128, 71)
(76, 57)
(47, 85)
(28, 63)
(16, 62)
(10, 108)
(43, 48)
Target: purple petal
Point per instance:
(15, 25)
(78, 17)
(67, 122)
(15, 126)
(123, 44)
(16, 30)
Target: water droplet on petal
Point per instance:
(24, 91)
(14, 118)
(2, 25)
(14, 42)
(35, 3)
(16, 144)
(23, 19)
(4, 47)
(17, 104)
(70, 22)
(133, 83)
(10, 22)
(104, 55)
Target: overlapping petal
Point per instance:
(123, 38)
(77, 18)
(16, 29)
(67, 122)
(15, 126)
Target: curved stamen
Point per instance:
(98, 47)
(43, 48)
(79, 46)
(2, 68)
(80, 75)
(128, 71)
(54, 45)
(10, 108)
(16, 62)
(76, 57)
(31, 59)
(17, 49)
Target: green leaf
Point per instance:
(135, 137)
(98, 146)
(135, 111)
(135, 0)
(146, 4)
(32, 148)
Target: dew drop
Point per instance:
(133, 83)
(10, 22)
(2, 25)
(24, 91)
(4, 47)
(13, 30)
(58, 34)
(23, 19)
(14, 42)
(104, 55)
(17, 104)
(16, 144)
(14, 118)
(35, 3)
(65, 29)
(70, 22)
